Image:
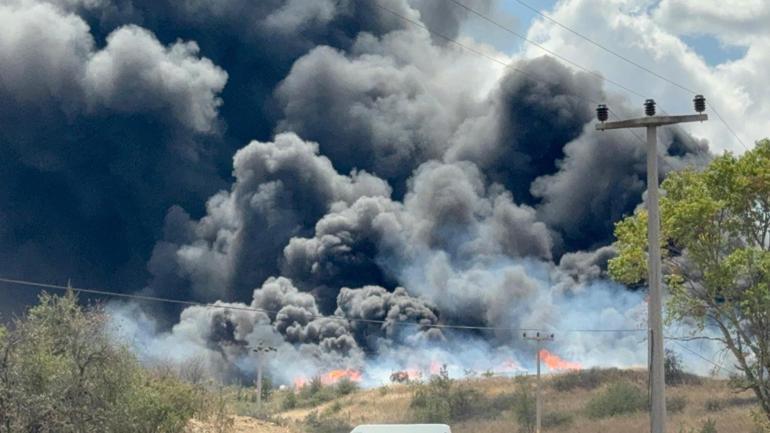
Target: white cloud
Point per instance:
(740, 23)
(644, 33)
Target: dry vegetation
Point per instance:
(61, 372)
(500, 405)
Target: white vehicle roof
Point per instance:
(402, 428)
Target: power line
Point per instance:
(614, 53)
(480, 53)
(549, 51)
(632, 62)
(146, 298)
(715, 364)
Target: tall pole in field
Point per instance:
(261, 350)
(655, 306)
(539, 338)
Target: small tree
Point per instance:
(716, 237)
(524, 406)
(60, 371)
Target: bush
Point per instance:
(713, 405)
(442, 400)
(290, 401)
(345, 387)
(63, 372)
(501, 402)
(618, 399)
(557, 419)
(676, 404)
(524, 406)
(315, 423)
(333, 408)
(709, 426)
(315, 393)
(583, 379)
(674, 372)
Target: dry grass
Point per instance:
(392, 406)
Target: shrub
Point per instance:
(316, 423)
(676, 404)
(713, 405)
(315, 393)
(709, 426)
(334, 408)
(557, 419)
(502, 402)
(583, 379)
(345, 387)
(619, 398)
(290, 401)
(524, 406)
(63, 372)
(442, 400)
(674, 372)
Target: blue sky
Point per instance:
(519, 18)
(713, 51)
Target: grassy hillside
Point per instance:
(606, 401)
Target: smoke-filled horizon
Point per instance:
(322, 159)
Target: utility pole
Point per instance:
(260, 350)
(539, 338)
(654, 307)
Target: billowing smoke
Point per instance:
(342, 184)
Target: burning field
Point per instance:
(551, 363)
(349, 190)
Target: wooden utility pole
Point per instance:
(260, 350)
(654, 307)
(539, 338)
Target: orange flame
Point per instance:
(413, 374)
(300, 381)
(335, 376)
(330, 378)
(555, 363)
(435, 368)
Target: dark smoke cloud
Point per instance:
(445, 18)
(111, 113)
(290, 321)
(388, 176)
(97, 141)
(281, 189)
(447, 209)
(602, 178)
(536, 110)
(373, 303)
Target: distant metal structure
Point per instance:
(654, 308)
(540, 339)
(261, 349)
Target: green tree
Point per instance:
(61, 371)
(715, 229)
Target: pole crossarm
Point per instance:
(644, 122)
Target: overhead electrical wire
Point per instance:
(547, 50)
(485, 55)
(629, 61)
(701, 356)
(147, 298)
